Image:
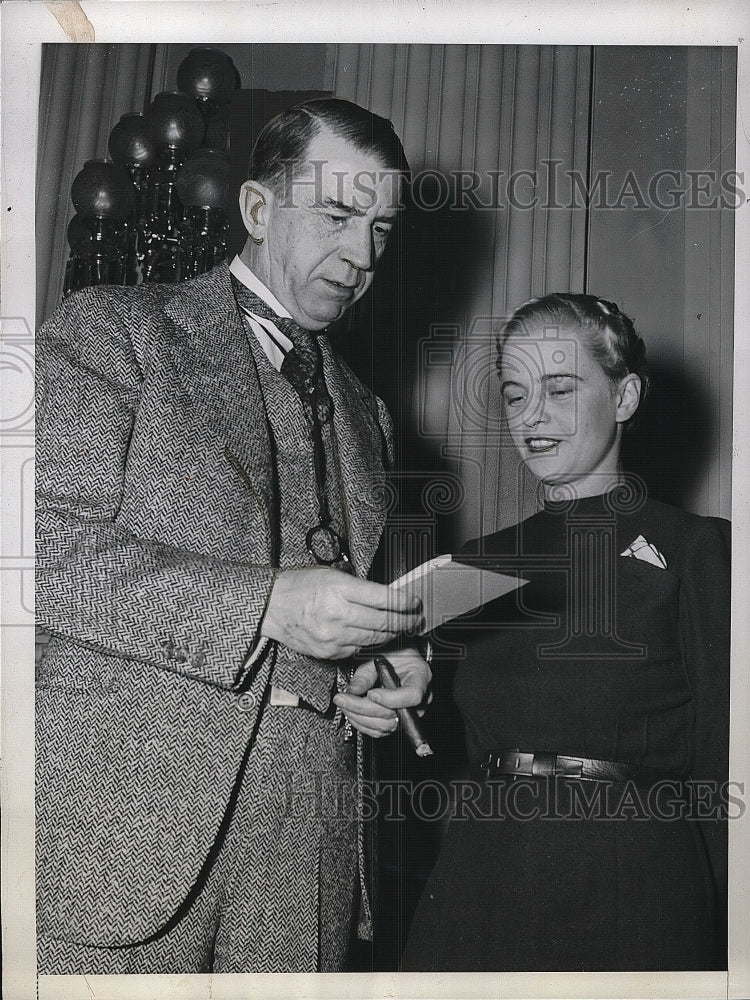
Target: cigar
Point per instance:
(389, 679)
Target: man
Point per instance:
(209, 501)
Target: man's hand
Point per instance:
(331, 615)
(373, 710)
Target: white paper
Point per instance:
(449, 588)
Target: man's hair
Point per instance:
(286, 139)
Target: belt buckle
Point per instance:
(487, 765)
(570, 767)
(499, 761)
(517, 764)
(544, 765)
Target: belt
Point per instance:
(549, 765)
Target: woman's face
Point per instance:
(565, 416)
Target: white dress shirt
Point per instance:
(275, 344)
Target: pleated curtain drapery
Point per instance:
(84, 91)
(514, 121)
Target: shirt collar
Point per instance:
(251, 280)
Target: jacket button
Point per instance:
(247, 702)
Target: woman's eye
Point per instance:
(560, 389)
(338, 220)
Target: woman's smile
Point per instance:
(541, 445)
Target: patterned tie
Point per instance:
(303, 364)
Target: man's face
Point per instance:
(324, 235)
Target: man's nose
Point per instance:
(357, 249)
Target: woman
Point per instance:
(590, 694)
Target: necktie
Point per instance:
(303, 364)
(303, 367)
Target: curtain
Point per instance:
(510, 120)
(84, 91)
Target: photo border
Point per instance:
(26, 25)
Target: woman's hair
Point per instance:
(607, 333)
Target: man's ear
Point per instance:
(254, 207)
(628, 397)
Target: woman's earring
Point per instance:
(257, 240)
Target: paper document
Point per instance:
(449, 588)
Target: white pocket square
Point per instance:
(641, 549)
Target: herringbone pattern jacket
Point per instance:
(157, 534)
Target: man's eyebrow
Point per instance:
(340, 206)
(553, 375)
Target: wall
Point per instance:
(266, 67)
(667, 260)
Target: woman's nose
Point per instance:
(535, 411)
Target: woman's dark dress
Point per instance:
(598, 656)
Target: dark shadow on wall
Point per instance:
(671, 446)
(425, 278)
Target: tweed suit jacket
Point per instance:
(157, 535)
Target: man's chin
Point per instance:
(320, 318)
(319, 311)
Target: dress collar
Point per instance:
(609, 501)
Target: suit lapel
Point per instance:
(213, 356)
(214, 359)
(361, 449)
